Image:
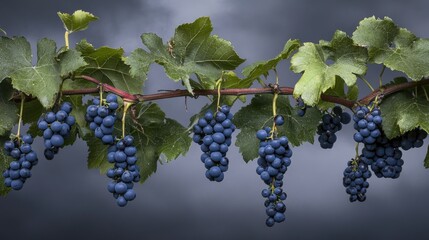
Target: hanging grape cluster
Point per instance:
(273, 161)
(213, 133)
(56, 128)
(24, 158)
(330, 124)
(125, 172)
(101, 116)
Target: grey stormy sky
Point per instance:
(65, 200)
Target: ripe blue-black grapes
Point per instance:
(302, 108)
(330, 124)
(24, 158)
(125, 172)
(102, 117)
(274, 158)
(56, 127)
(411, 139)
(213, 133)
(355, 176)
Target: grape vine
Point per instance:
(127, 133)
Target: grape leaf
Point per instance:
(9, 115)
(4, 164)
(78, 21)
(426, 162)
(318, 75)
(97, 154)
(43, 80)
(192, 50)
(396, 48)
(402, 112)
(70, 61)
(107, 65)
(257, 69)
(258, 114)
(154, 139)
(15, 53)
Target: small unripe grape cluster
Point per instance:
(213, 133)
(330, 124)
(273, 161)
(24, 158)
(355, 176)
(56, 128)
(102, 118)
(125, 172)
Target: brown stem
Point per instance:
(386, 90)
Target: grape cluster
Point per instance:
(274, 158)
(125, 171)
(411, 139)
(102, 117)
(330, 124)
(24, 158)
(367, 124)
(302, 108)
(56, 127)
(213, 133)
(355, 176)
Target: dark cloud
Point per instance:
(65, 200)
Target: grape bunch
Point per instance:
(24, 158)
(125, 171)
(101, 117)
(367, 124)
(213, 133)
(56, 127)
(355, 179)
(411, 139)
(274, 158)
(301, 107)
(330, 124)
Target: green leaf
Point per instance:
(4, 164)
(426, 162)
(97, 154)
(192, 50)
(9, 115)
(15, 53)
(43, 80)
(70, 61)
(154, 138)
(78, 21)
(107, 65)
(258, 114)
(402, 112)
(348, 60)
(257, 69)
(396, 48)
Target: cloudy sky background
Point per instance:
(65, 200)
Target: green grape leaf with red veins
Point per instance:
(348, 60)
(107, 65)
(43, 80)
(9, 115)
(258, 114)
(192, 50)
(78, 21)
(402, 112)
(396, 48)
(257, 69)
(4, 164)
(70, 61)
